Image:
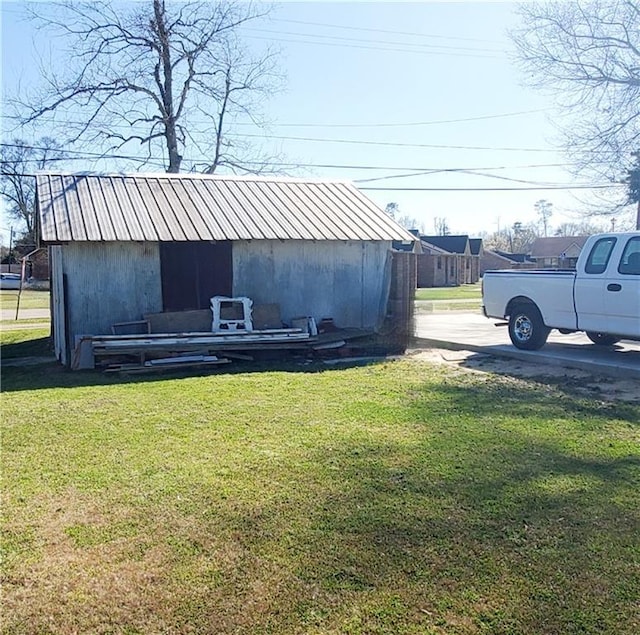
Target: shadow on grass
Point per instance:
(511, 535)
(531, 397)
(39, 347)
(54, 375)
(481, 510)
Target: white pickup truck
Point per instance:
(601, 297)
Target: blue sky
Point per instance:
(401, 87)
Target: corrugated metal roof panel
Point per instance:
(162, 207)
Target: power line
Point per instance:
(408, 124)
(359, 28)
(386, 143)
(447, 189)
(374, 48)
(85, 154)
(491, 189)
(369, 41)
(435, 122)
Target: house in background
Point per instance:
(557, 252)
(495, 259)
(125, 246)
(448, 261)
(477, 249)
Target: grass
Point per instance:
(463, 292)
(25, 342)
(396, 498)
(29, 299)
(468, 306)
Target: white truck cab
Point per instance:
(601, 297)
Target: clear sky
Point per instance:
(403, 88)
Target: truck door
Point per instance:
(622, 291)
(589, 289)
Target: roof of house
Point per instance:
(433, 250)
(513, 257)
(475, 244)
(189, 207)
(554, 246)
(492, 254)
(452, 244)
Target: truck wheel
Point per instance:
(526, 328)
(602, 339)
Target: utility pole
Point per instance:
(10, 247)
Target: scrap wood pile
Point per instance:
(154, 351)
(233, 335)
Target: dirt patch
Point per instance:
(582, 382)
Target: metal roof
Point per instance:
(162, 207)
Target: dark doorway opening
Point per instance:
(193, 272)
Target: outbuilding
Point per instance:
(125, 246)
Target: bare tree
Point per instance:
(580, 228)
(633, 185)
(408, 222)
(441, 226)
(587, 53)
(162, 76)
(544, 209)
(18, 163)
(516, 239)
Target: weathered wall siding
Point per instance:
(57, 303)
(338, 279)
(110, 282)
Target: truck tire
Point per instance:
(526, 328)
(602, 339)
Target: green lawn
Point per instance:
(29, 299)
(397, 498)
(25, 342)
(463, 292)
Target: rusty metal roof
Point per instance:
(161, 207)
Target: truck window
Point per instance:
(630, 261)
(599, 256)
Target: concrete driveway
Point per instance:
(461, 330)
